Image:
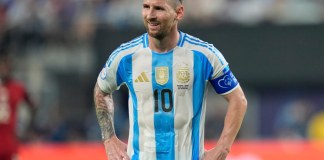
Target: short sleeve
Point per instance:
(107, 79)
(216, 69)
(221, 78)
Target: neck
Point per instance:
(166, 43)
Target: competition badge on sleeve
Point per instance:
(103, 73)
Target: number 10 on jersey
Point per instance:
(164, 94)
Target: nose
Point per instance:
(151, 14)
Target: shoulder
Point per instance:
(193, 42)
(127, 48)
(202, 48)
(130, 45)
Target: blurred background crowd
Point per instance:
(275, 48)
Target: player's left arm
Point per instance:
(237, 105)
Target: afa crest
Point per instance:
(183, 75)
(161, 75)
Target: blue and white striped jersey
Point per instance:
(167, 95)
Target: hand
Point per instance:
(116, 149)
(216, 153)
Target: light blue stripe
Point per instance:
(183, 40)
(122, 47)
(206, 45)
(180, 39)
(132, 41)
(136, 40)
(145, 40)
(164, 121)
(210, 46)
(202, 69)
(125, 72)
(144, 44)
(126, 45)
(113, 56)
(197, 39)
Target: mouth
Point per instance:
(153, 25)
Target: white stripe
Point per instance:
(142, 62)
(183, 110)
(130, 149)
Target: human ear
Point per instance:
(179, 12)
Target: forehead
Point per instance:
(158, 2)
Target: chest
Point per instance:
(172, 71)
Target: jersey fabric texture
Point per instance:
(11, 94)
(167, 94)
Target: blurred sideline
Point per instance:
(241, 150)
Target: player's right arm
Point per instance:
(106, 84)
(115, 149)
(105, 112)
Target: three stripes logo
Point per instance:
(142, 78)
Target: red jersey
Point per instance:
(11, 94)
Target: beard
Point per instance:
(158, 34)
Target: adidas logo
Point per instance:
(142, 78)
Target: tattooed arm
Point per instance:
(105, 113)
(115, 149)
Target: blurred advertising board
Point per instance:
(241, 150)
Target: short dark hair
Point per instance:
(180, 1)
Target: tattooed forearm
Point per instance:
(105, 113)
(105, 119)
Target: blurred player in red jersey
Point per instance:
(12, 93)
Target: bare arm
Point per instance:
(115, 149)
(237, 105)
(105, 112)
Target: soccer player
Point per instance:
(166, 72)
(12, 93)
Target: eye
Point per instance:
(145, 6)
(159, 8)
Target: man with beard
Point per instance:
(166, 72)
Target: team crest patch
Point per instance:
(183, 75)
(161, 75)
